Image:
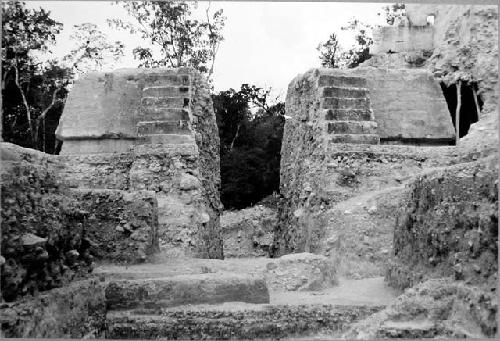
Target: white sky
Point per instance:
(266, 43)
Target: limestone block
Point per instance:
(302, 272)
(179, 290)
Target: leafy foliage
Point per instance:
(332, 55)
(250, 144)
(330, 52)
(34, 92)
(394, 13)
(92, 49)
(31, 90)
(169, 28)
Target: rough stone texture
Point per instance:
(120, 226)
(302, 272)
(75, 311)
(359, 234)
(436, 308)
(449, 227)
(312, 184)
(184, 290)
(43, 241)
(248, 232)
(473, 30)
(240, 322)
(52, 234)
(150, 130)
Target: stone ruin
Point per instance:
(367, 175)
(149, 130)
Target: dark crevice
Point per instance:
(468, 111)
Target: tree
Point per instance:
(24, 79)
(332, 55)
(250, 144)
(92, 49)
(179, 39)
(330, 52)
(359, 52)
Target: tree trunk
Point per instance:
(478, 109)
(457, 112)
(235, 137)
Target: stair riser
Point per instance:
(161, 79)
(274, 322)
(354, 82)
(163, 127)
(348, 115)
(354, 139)
(171, 102)
(172, 292)
(343, 92)
(352, 128)
(165, 91)
(346, 103)
(163, 114)
(165, 139)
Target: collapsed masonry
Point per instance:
(149, 130)
(360, 135)
(138, 175)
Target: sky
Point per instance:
(266, 43)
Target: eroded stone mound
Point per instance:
(248, 232)
(449, 227)
(435, 308)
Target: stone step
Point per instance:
(209, 288)
(333, 91)
(163, 127)
(343, 81)
(347, 114)
(165, 91)
(235, 321)
(166, 139)
(153, 79)
(170, 102)
(345, 103)
(354, 138)
(352, 127)
(155, 113)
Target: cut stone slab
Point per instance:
(174, 291)
(348, 114)
(345, 103)
(333, 91)
(301, 272)
(343, 81)
(235, 321)
(352, 127)
(355, 138)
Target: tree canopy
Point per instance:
(177, 39)
(250, 144)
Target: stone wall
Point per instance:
(448, 226)
(52, 234)
(408, 105)
(330, 151)
(151, 130)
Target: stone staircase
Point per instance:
(345, 103)
(164, 110)
(230, 299)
